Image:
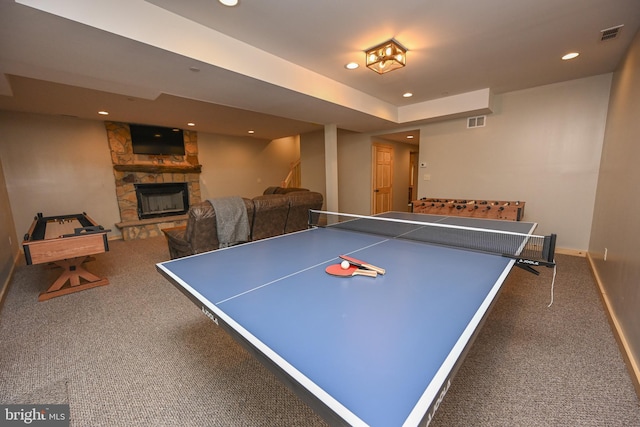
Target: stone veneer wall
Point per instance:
(130, 169)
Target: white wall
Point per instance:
(540, 145)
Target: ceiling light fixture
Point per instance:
(229, 2)
(570, 56)
(407, 95)
(386, 57)
(103, 113)
(351, 66)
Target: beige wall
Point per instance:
(617, 205)
(354, 169)
(239, 166)
(312, 161)
(61, 165)
(56, 166)
(540, 145)
(354, 172)
(8, 238)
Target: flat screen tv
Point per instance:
(156, 140)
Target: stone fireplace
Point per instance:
(137, 171)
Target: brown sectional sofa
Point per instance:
(278, 211)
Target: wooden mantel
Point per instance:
(159, 168)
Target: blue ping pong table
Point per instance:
(359, 350)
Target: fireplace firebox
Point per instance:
(158, 200)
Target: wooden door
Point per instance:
(413, 176)
(382, 167)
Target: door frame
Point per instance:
(374, 148)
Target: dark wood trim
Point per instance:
(159, 168)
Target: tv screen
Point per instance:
(156, 140)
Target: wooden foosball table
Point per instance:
(491, 209)
(66, 241)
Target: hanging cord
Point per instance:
(553, 281)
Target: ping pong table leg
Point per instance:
(528, 268)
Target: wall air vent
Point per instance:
(610, 33)
(476, 122)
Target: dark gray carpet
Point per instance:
(139, 353)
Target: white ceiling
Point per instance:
(277, 66)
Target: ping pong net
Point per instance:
(527, 250)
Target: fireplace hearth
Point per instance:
(164, 199)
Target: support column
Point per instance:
(331, 166)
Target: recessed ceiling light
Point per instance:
(103, 113)
(570, 56)
(409, 136)
(194, 69)
(251, 131)
(229, 2)
(351, 66)
(407, 94)
(191, 124)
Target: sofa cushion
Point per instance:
(202, 233)
(282, 190)
(270, 215)
(299, 204)
(270, 190)
(178, 246)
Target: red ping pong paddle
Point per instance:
(337, 270)
(363, 264)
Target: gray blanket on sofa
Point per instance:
(231, 220)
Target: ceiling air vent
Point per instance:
(476, 122)
(610, 33)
